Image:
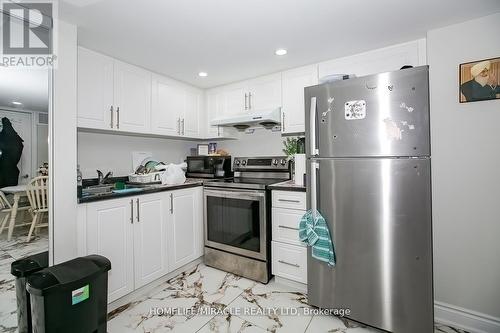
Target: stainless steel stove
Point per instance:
(237, 217)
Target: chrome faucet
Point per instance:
(102, 179)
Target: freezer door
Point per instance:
(379, 211)
(378, 115)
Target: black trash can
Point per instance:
(21, 269)
(71, 296)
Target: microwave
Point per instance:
(208, 166)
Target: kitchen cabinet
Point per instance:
(235, 99)
(132, 98)
(110, 234)
(150, 237)
(264, 92)
(215, 109)
(293, 83)
(112, 95)
(95, 90)
(185, 228)
(145, 236)
(289, 254)
(175, 108)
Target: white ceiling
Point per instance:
(236, 39)
(28, 86)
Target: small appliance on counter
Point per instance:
(208, 166)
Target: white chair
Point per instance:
(37, 195)
(6, 208)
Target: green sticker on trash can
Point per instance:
(80, 295)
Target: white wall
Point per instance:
(62, 154)
(108, 152)
(465, 172)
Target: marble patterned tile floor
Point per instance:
(10, 251)
(204, 299)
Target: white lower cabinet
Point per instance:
(289, 254)
(150, 237)
(185, 227)
(144, 237)
(110, 234)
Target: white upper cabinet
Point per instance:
(292, 112)
(95, 90)
(168, 103)
(264, 92)
(235, 99)
(215, 108)
(132, 95)
(150, 237)
(191, 118)
(176, 108)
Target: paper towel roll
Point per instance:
(300, 168)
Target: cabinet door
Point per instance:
(292, 112)
(109, 233)
(95, 90)
(265, 92)
(191, 118)
(184, 227)
(234, 99)
(168, 103)
(150, 237)
(132, 93)
(215, 108)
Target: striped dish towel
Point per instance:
(315, 233)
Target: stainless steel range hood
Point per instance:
(265, 118)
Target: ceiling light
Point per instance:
(280, 52)
(17, 103)
(203, 74)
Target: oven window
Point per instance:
(234, 222)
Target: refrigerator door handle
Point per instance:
(314, 202)
(312, 125)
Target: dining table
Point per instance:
(18, 192)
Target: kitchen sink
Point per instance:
(97, 189)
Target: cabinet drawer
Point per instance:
(289, 261)
(289, 199)
(286, 225)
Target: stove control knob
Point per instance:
(237, 162)
(244, 162)
(275, 162)
(283, 162)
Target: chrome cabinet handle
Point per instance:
(111, 122)
(283, 121)
(287, 263)
(171, 203)
(179, 126)
(249, 101)
(288, 200)
(138, 216)
(218, 131)
(312, 127)
(287, 227)
(183, 126)
(246, 96)
(132, 211)
(118, 117)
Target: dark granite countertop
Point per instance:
(146, 190)
(288, 185)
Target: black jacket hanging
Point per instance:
(11, 149)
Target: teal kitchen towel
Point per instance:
(314, 232)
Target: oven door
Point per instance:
(235, 221)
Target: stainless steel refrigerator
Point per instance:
(368, 151)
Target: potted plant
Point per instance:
(290, 148)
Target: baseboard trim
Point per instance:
(472, 321)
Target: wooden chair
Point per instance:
(6, 208)
(37, 195)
